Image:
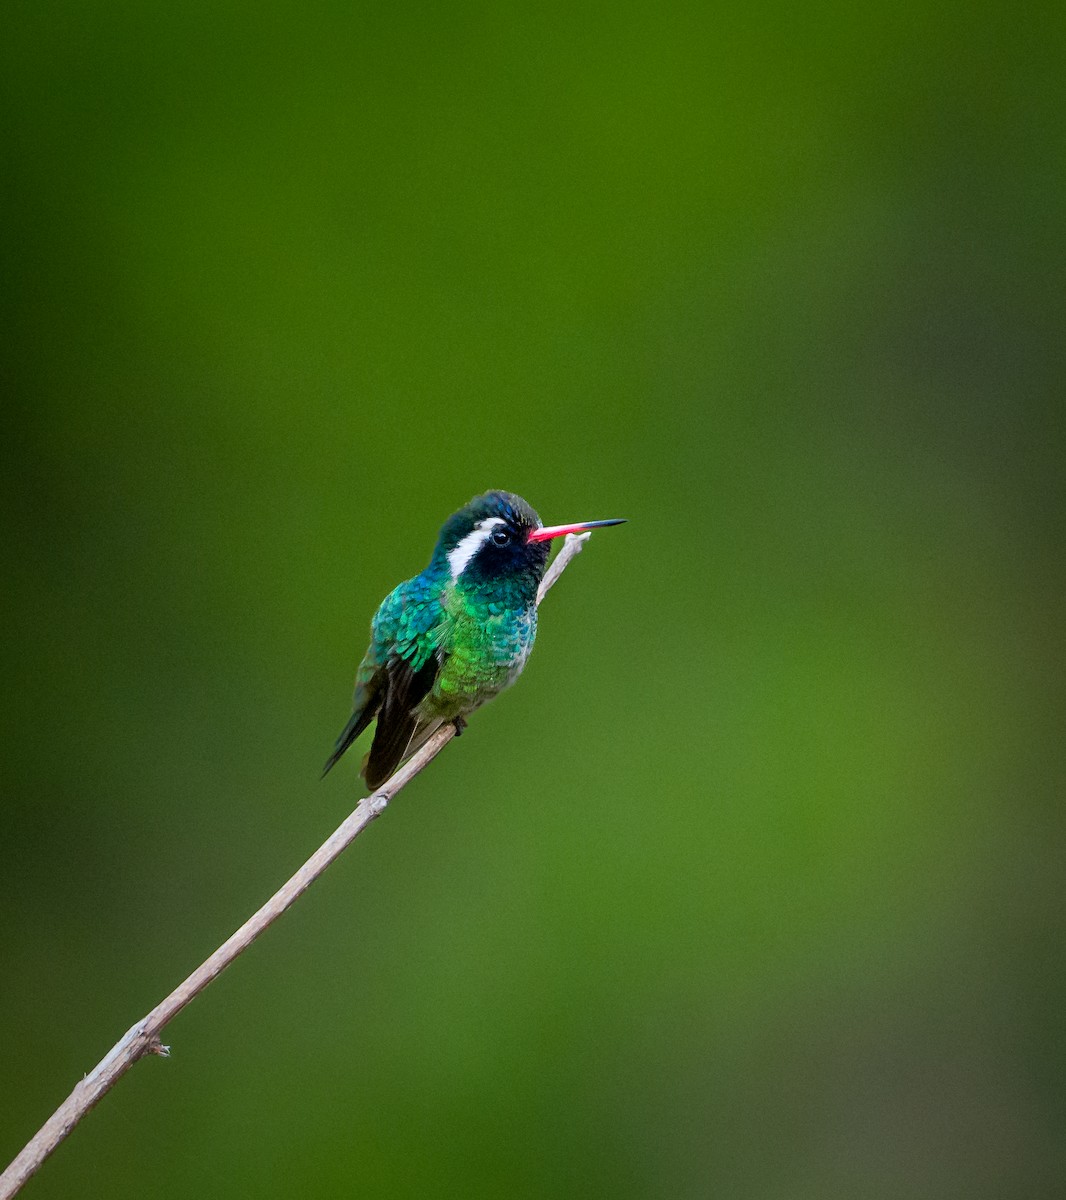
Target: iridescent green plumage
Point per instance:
(454, 636)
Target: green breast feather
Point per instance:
(484, 646)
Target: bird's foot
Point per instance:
(460, 725)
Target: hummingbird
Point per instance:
(453, 637)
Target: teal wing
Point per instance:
(395, 675)
(368, 701)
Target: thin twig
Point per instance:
(573, 544)
(144, 1038)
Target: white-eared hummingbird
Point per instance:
(454, 636)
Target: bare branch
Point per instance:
(144, 1037)
(573, 544)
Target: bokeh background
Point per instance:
(754, 886)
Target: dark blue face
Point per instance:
(487, 541)
(507, 552)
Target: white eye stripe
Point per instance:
(459, 557)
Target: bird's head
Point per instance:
(498, 537)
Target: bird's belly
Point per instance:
(485, 656)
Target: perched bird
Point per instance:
(454, 636)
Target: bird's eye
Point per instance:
(501, 537)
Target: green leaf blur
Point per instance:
(753, 886)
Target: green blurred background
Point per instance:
(754, 886)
